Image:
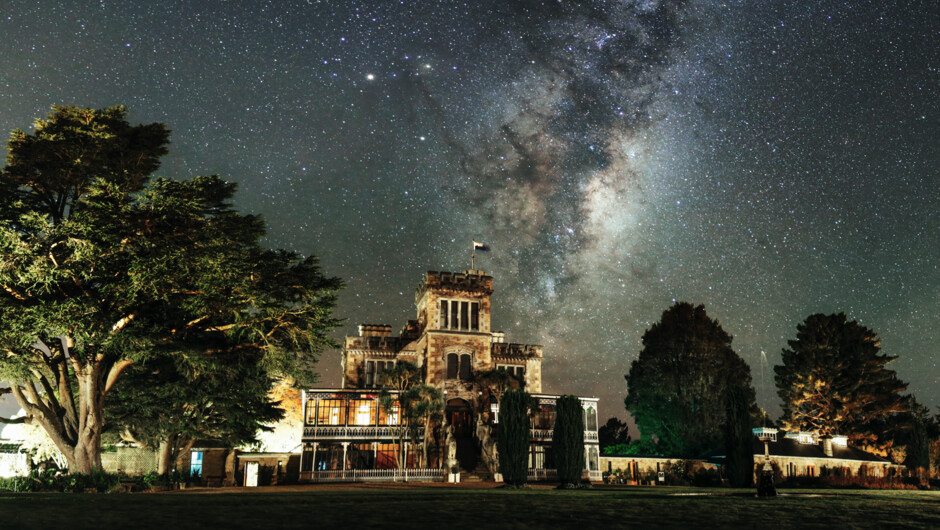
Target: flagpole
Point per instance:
(473, 255)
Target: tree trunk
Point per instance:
(167, 455)
(87, 453)
(424, 445)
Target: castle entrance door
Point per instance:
(460, 415)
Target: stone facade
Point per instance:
(452, 343)
(453, 318)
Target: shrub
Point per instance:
(568, 439)
(513, 437)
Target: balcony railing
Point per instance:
(545, 435)
(369, 432)
(374, 475)
(366, 432)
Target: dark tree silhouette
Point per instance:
(512, 437)
(678, 385)
(614, 432)
(739, 439)
(568, 439)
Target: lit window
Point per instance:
(195, 464)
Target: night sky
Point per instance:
(768, 159)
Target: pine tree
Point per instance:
(918, 443)
(739, 439)
(677, 385)
(513, 437)
(834, 380)
(568, 439)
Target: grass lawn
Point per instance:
(440, 507)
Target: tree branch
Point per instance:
(13, 293)
(114, 372)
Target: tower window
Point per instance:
(458, 314)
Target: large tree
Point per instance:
(568, 439)
(613, 433)
(834, 380)
(512, 437)
(103, 266)
(678, 384)
(918, 443)
(739, 438)
(168, 403)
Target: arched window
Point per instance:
(458, 366)
(590, 419)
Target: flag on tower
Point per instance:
(481, 246)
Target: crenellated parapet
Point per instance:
(503, 350)
(469, 281)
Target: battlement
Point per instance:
(504, 350)
(472, 281)
(375, 330)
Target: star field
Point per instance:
(769, 160)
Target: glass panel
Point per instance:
(311, 411)
(362, 412)
(360, 456)
(475, 316)
(370, 373)
(389, 417)
(443, 314)
(451, 366)
(545, 419)
(387, 456)
(195, 463)
(454, 315)
(590, 423)
(464, 315)
(465, 367)
(331, 412)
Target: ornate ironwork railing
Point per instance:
(374, 475)
(369, 432)
(545, 435)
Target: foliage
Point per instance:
(512, 437)
(56, 481)
(167, 403)
(103, 267)
(568, 439)
(493, 383)
(396, 382)
(677, 385)
(613, 433)
(833, 380)
(425, 407)
(918, 443)
(739, 439)
(634, 448)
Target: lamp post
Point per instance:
(765, 482)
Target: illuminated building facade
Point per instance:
(349, 435)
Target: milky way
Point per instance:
(767, 159)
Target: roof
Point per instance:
(790, 447)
